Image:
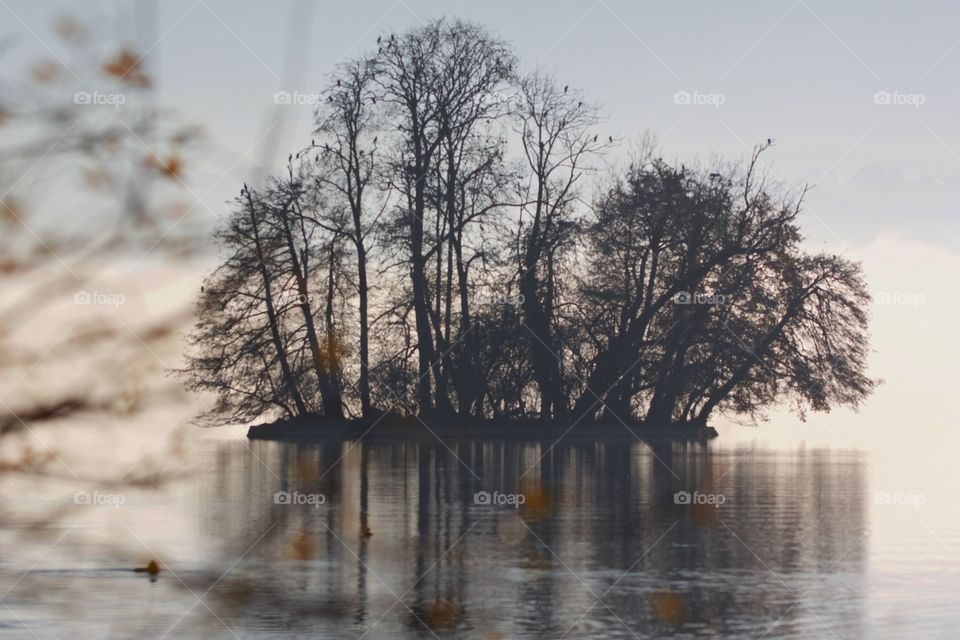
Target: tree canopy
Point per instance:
(442, 246)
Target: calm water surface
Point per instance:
(499, 539)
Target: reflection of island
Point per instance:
(549, 547)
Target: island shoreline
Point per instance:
(413, 428)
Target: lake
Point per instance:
(502, 539)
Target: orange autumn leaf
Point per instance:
(537, 503)
(152, 568)
(126, 67)
(46, 72)
(69, 29)
(669, 608)
(443, 615)
(172, 166)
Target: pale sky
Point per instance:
(861, 99)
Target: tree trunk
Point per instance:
(272, 316)
(365, 406)
(332, 406)
(333, 399)
(419, 281)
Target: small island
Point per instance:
(413, 428)
(451, 253)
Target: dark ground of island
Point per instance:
(396, 427)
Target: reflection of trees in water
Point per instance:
(400, 521)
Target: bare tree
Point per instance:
(556, 128)
(437, 81)
(240, 349)
(696, 281)
(286, 206)
(681, 292)
(346, 165)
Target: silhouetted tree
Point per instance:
(437, 81)
(240, 348)
(290, 204)
(556, 129)
(459, 188)
(346, 165)
(696, 284)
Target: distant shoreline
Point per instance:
(395, 427)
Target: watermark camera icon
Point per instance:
(897, 297)
(915, 500)
(297, 498)
(115, 100)
(915, 100)
(715, 500)
(499, 499)
(685, 297)
(296, 97)
(99, 298)
(97, 498)
(715, 100)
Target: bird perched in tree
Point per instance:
(595, 137)
(338, 82)
(610, 138)
(769, 140)
(379, 38)
(566, 87)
